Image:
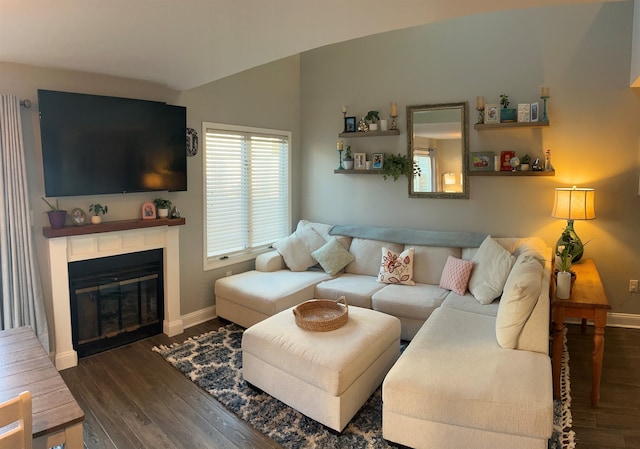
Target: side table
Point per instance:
(588, 301)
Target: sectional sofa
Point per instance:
(475, 308)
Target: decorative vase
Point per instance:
(57, 218)
(563, 285)
(96, 219)
(163, 213)
(383, 125)
(571, 239)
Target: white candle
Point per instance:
(544, 91)
(340, 146)
(393, 112)
(479, 102)
(344, 109)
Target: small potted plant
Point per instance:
(372, 117)
(396, 165)
(97, 210)
(57, 217)
(507, 114)
(348, 158)
(564, 276)
(162, 206)
(525, 163)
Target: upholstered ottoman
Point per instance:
(327, 376)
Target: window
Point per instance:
(246, 191)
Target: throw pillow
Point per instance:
(396, 268)
(491, 266)
(296, 249)
(455, 275)
(332, 256)
(521, 292)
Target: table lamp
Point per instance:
(573, 204)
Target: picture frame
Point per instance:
(534, 112)
(482, 160)
(359, 161)
(505, 160)
(350, 124)
(492, 113)
(148, 211)
(78, 217)
(378, 161)
(524, 112)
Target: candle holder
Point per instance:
(393, 122)
(340, 166)
(480, 116)
(544, 108)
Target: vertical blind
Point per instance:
(246, 190)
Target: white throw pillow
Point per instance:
(491, 266)
(521, 293)
(332, 256)
(396, 268)
(296, 249)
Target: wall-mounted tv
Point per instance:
(94, 144)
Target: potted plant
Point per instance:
(507, 114)
(399, 164)
(97, 210)
(57, 217)
(162, 206)
(564, 276)
(372, 117)
(348, 158)
(525, 162)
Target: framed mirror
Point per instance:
(438, 143)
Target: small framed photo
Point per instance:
(350, 124)
(78, 217)
(492, 113)
(524, 111)
(148, 211)
(482, 161)
(534, 112)
(505, 160)
(378, 161)
(359, 161)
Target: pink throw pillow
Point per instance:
(396, 268)
(455, 275)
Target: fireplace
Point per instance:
(115, 300)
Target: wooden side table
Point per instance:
(588, 301)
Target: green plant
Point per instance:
(526, 159)
(564, 257)
(98, 209)
(504, 100)
(347, 154)
(51, 206)
(372, 116)
(396, 165)
(162, 203)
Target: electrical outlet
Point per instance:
(633, 286)
(229, 273)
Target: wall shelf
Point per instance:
(110, 226)
(487, 126)
(512, 173)
(359, 172)
(390, 132)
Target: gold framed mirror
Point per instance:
(438, 143)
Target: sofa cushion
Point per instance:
(296, 249)
(367, 254)
(404, 301)
(357, 288)
(521, 292)
(455, 275)
(468, 303)
(396, 268)
(332, 256)
(429, 262)
(324, 229)
(492, 264)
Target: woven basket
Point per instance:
(322, 315)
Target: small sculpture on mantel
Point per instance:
(362, 125)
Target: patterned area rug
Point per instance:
(214, 362)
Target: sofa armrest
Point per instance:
(271, 261)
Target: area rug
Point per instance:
(213, 361)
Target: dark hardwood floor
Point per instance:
(132, 398)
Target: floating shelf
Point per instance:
(359, 172)
(391, 132)
(485, 126)
(512, 173)
(110, 226)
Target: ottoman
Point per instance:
(327, 376)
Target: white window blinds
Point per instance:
(246, 189)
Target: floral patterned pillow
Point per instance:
(396, 268)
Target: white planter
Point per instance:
(524, 167)
(383, 125)
(348, 165)
(373, 126)
(163, 213)
(96, 219)
(563, 286)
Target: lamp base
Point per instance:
(570, 238)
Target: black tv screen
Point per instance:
(95, 144)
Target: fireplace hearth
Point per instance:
(115, 300)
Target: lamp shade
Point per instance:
(574, 204)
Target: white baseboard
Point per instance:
(614, 319)
(199, 316)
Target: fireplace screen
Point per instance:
(115, 300)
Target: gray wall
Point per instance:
(582, 53)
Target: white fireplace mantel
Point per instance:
(89, 242)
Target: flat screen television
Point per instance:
(94, 144)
